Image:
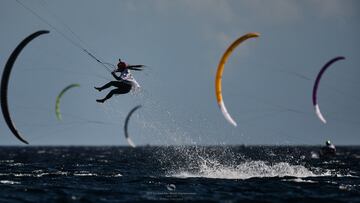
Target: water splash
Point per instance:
(246, 170)
(223, 163)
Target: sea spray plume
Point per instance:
(228, 163)
(164, 128)
(190, 158)
(248, 169)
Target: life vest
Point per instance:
(127, 77)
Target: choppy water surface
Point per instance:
(112, 174)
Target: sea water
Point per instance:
(178, 173)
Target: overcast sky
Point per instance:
(267, 82)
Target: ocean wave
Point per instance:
(37, 175)
(85, 173)
(6, 161)
(9, 182)
(300, 180)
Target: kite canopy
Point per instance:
(5, 81)
(219, 73)
(131, 143)
(57, 103)
(316, 86)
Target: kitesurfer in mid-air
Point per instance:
(124, 83)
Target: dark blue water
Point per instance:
(118, 174)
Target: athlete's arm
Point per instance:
(115, 76)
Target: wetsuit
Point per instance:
(124, 83)
(328, 151)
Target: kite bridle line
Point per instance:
(77, 44)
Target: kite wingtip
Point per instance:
(319, 114)
(24, 141)
(232, 122)
(226, 114)
(254, 34)
(131, 143)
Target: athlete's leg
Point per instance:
(109, 84)
(109, 95)
(123, 89)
